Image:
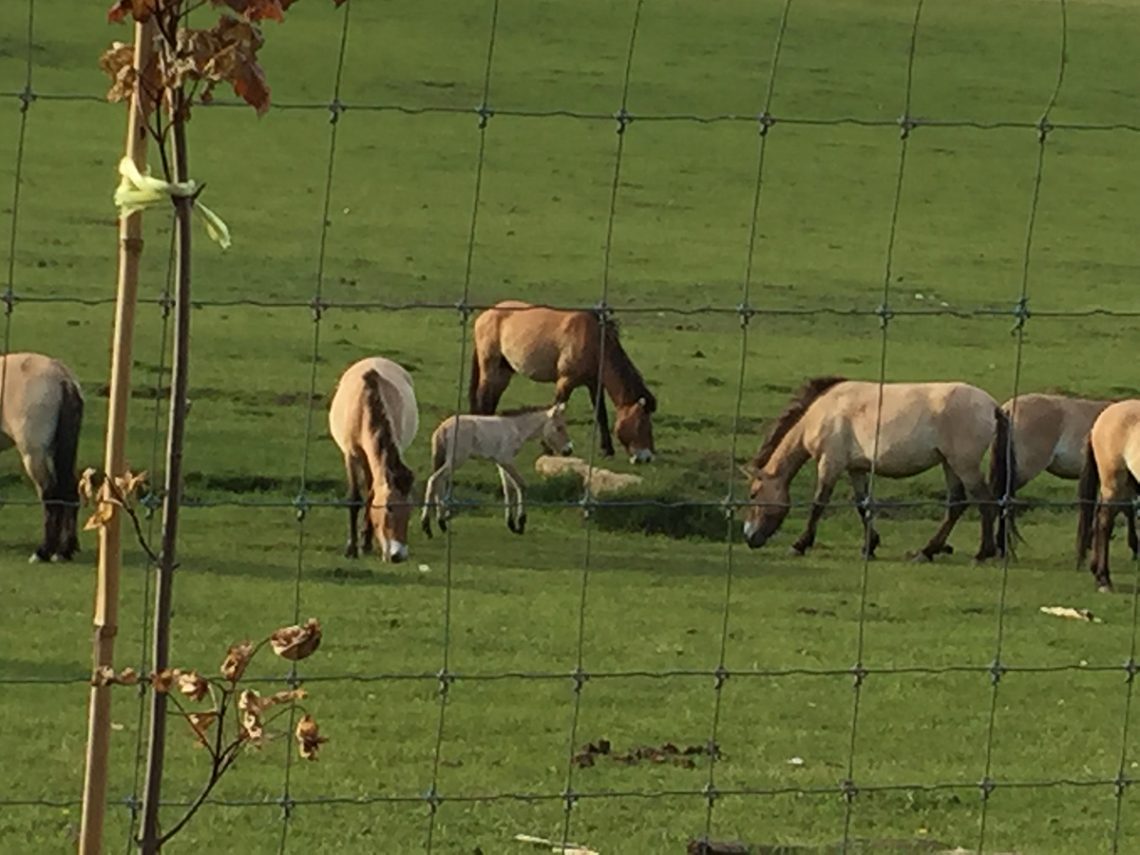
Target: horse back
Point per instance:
(32, 391)
(347, 413)
(1115, 439)
(537, 342)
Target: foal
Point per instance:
(497, 438)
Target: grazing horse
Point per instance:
(922, 425)
(1108, 484)
(497, 438)
(565, 348)
(373, 419)
(1050, 433)
(41, 413)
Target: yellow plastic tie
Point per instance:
(137, 192)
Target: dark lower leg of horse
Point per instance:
(937, 544)
(807, 540)
(1133, 543)
(988, 548)
(871, 539)
(47, 549)
(1102, 538)
(603, 419)
(350, 550)
(68, 536)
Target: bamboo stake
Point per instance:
(110, 552)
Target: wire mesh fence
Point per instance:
(744, 310)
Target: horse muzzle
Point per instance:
(754, 536)
(642, 455)
(395, 552)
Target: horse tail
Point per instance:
(65, 445)
(476, 382)
(1087, 488)
(1003, 481)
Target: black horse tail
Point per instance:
(476, 381)
(65, 447)
(1087, 489)
(1003, 483)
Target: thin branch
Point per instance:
(215, 776)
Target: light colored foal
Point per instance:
(498, 438)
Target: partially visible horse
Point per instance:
(498, 438)
(1050, 433)
(41, 414)
(1109, 482)
(566, 348)
(922, 425)
(373, 418)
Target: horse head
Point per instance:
(390, 510)
(633, 427)
(768, 505)
(555, 437)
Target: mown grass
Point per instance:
(400, 216)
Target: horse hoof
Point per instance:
(34, 558)
(946, 549)
(426, 526)
(351, 552)
(1104, 589)
(521, 523)
(796, 551)
(920, 557)
(442, 523)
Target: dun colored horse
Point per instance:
(1109, 482)
(1050, 433)
(498, 438)
(373, 419)
(41, 413)
(566, 348)
(922, 425)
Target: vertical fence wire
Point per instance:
(336, 112)
(445, 678)
(746, 313)
(27, 97)
(579, 675)
(858, 671)
(987, 784)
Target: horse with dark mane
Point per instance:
(569, 349)
(897, 430)
(41, 413)
(373, 418)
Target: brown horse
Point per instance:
(1050, 433)
(41, 413)
(373, 419)
(919, 426)
(1108, 485)
(565, 348)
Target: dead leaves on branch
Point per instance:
(224, 53)
(309, 739)
(107, 495)
(297, 642)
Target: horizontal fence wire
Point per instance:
(1016, 311)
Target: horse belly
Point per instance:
(537, 360)
(901, 453)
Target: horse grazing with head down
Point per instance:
(41, 413)
(1109, 483)
(919, 426)
(569, 349)
(373, 418)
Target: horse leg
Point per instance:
(495, 377)
(1105, 516)
(508, 503)
(517, 482)
(429, 499)
(825, 480)
(1130, 520)
(354, 498)
(871, 537)
(955, 507)
(597, 396)
(35, 464)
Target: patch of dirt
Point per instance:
(667, 752)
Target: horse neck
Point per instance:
(529, 425)
(613, 381)
(790, 455)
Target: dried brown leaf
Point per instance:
(297, 642)
(200, 723)
(309, 737)
(140, 10)
(193, 685)
(237, 658)
(163, 681)
(250, 704)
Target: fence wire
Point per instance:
(850, 788)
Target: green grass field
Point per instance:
(400, 215)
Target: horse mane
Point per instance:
(523, 411)
(805, 396)
(627, 372)
(398, 474)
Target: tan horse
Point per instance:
(565, 348)
(373, 419)
(1050, 433)
(922, 425)
(41, 413)
(1108, 484)
(497, 438)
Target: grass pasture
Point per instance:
(657, 608)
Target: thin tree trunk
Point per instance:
(149, 841)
